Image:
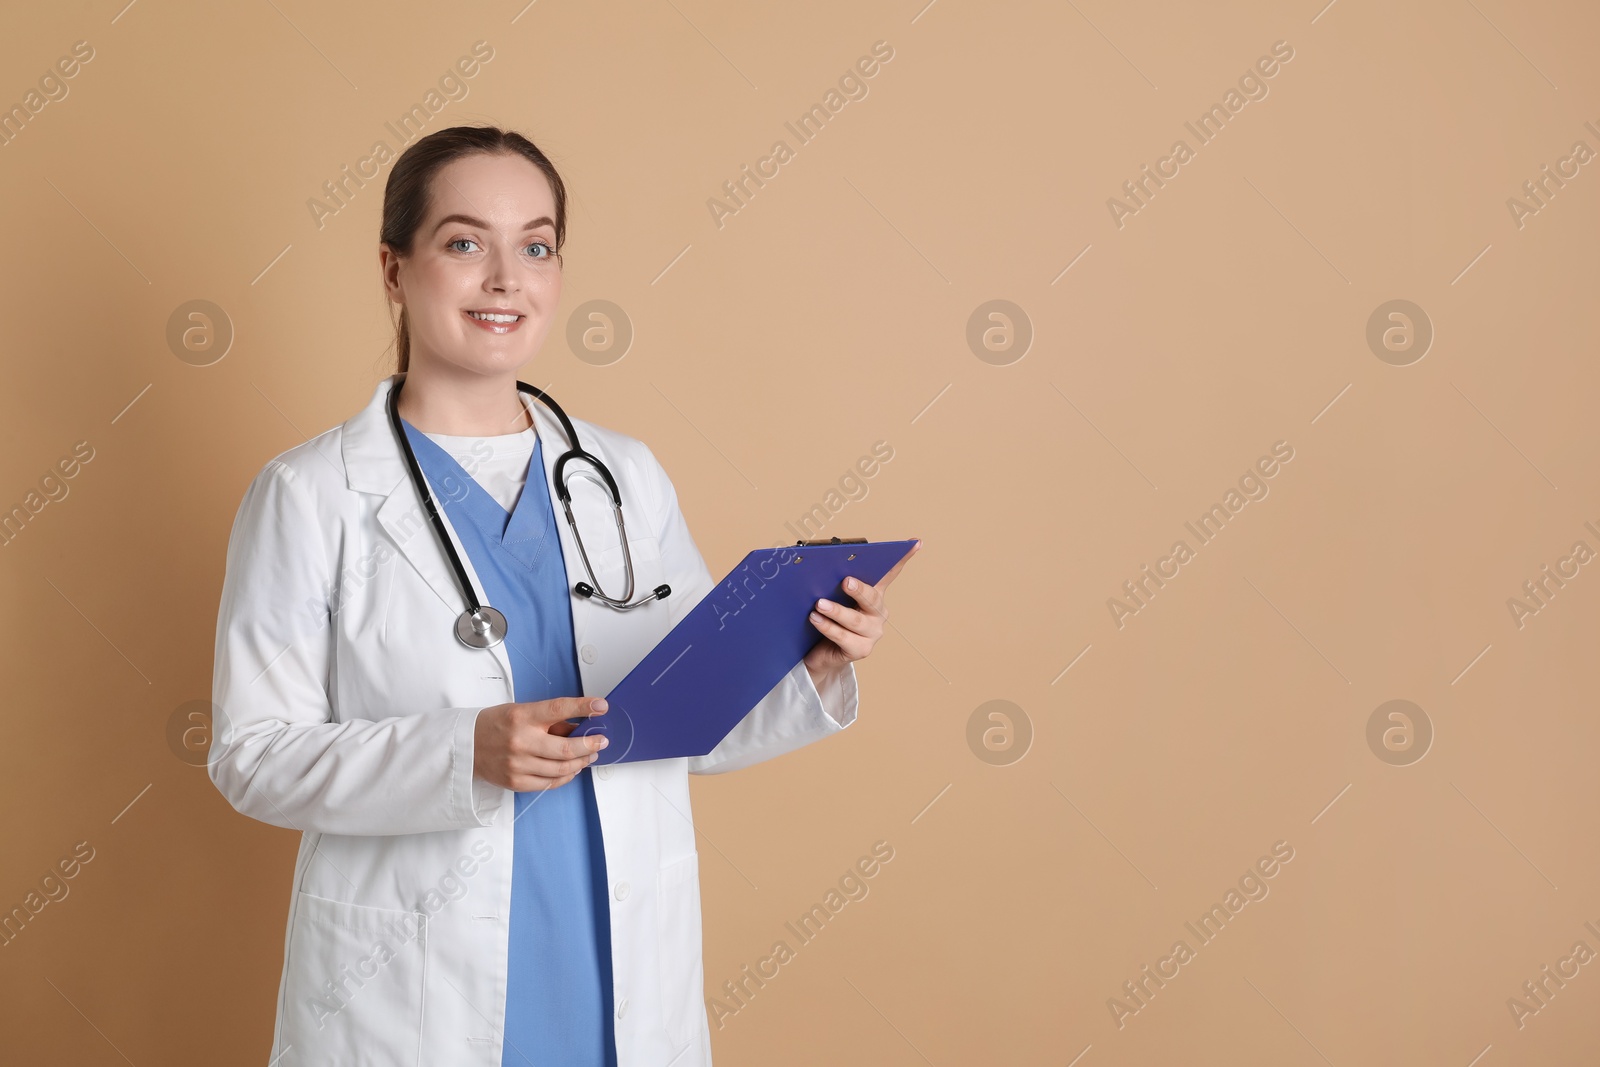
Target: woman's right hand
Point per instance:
(525, 747)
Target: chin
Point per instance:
(473, 356)
(497, 363)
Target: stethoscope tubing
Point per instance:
(481, 626)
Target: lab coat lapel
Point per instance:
(374, 464)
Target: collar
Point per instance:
(372, 459)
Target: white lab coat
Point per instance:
(345, 709)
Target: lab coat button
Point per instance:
(622, 1007)
(602, 773)
(588, 653)
(622, 890)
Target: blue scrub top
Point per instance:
(558, 979)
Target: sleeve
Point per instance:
(278, 753)
(794, 713)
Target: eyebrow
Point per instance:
(542, 220)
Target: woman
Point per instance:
(469, 890)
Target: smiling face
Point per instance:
(482, 280)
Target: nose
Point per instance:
(501, 269)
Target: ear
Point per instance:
(389, 268)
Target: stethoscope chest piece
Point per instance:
(483, 628)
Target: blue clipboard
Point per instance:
(732, 648)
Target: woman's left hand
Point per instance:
(849, 634)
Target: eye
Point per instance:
(461, 240)
(548, 251)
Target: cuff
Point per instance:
(474, 800)
(486, 797)
(838, 696)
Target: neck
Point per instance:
(462, 405)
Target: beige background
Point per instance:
(829, 313)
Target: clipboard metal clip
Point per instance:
(835, 541)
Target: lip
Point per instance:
(495, 327)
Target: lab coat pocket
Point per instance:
(353, 983)
(678, 955)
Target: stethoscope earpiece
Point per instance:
(660, 592)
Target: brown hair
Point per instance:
(406, 193)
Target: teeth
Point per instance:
(484, 316)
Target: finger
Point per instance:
(550, 747)
(894, 571)
(540, 767)
(553, 711)
(539, 785)
(850, 618)
(852, 644)
(868, 597)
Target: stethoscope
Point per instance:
(481, 626)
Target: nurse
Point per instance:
(470, 890)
